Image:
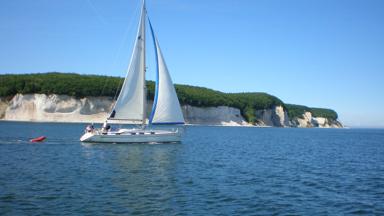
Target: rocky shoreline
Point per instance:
(63, 108)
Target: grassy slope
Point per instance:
(93, 85)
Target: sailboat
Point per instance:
(131, 104)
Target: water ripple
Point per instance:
(215, 171)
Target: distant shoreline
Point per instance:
(257, 108)
(192, 125)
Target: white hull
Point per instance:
(133, 136)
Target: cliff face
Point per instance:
(3, 107)
(307, 121)
(62, 108)
(221, 115)
(57, 108)
(276, 117)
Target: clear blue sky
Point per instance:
(319, 53)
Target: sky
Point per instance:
(318, 53)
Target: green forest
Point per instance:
(95, 85)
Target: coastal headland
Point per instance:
(69, 97)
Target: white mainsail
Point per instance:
(166, 107)
(130, 104)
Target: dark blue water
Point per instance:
(215, 171)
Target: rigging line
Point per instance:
(117, 56)
(101, 18)
(104, 22)
(123, 41)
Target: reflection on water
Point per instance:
(146, 172)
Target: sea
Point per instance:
(213, 171)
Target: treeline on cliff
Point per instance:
(299, 110)
(94, 85)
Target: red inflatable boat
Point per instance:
(38, 139)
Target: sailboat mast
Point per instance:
(144, 14)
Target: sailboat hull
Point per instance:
(132, 137)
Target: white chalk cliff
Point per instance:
(62, 108)
(307, 121)
(222, 115)
(56, 108)
(276, 117)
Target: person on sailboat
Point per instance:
(106, 127)
(89, 128)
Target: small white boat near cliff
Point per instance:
(130, 106)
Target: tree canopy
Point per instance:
(299, 110)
